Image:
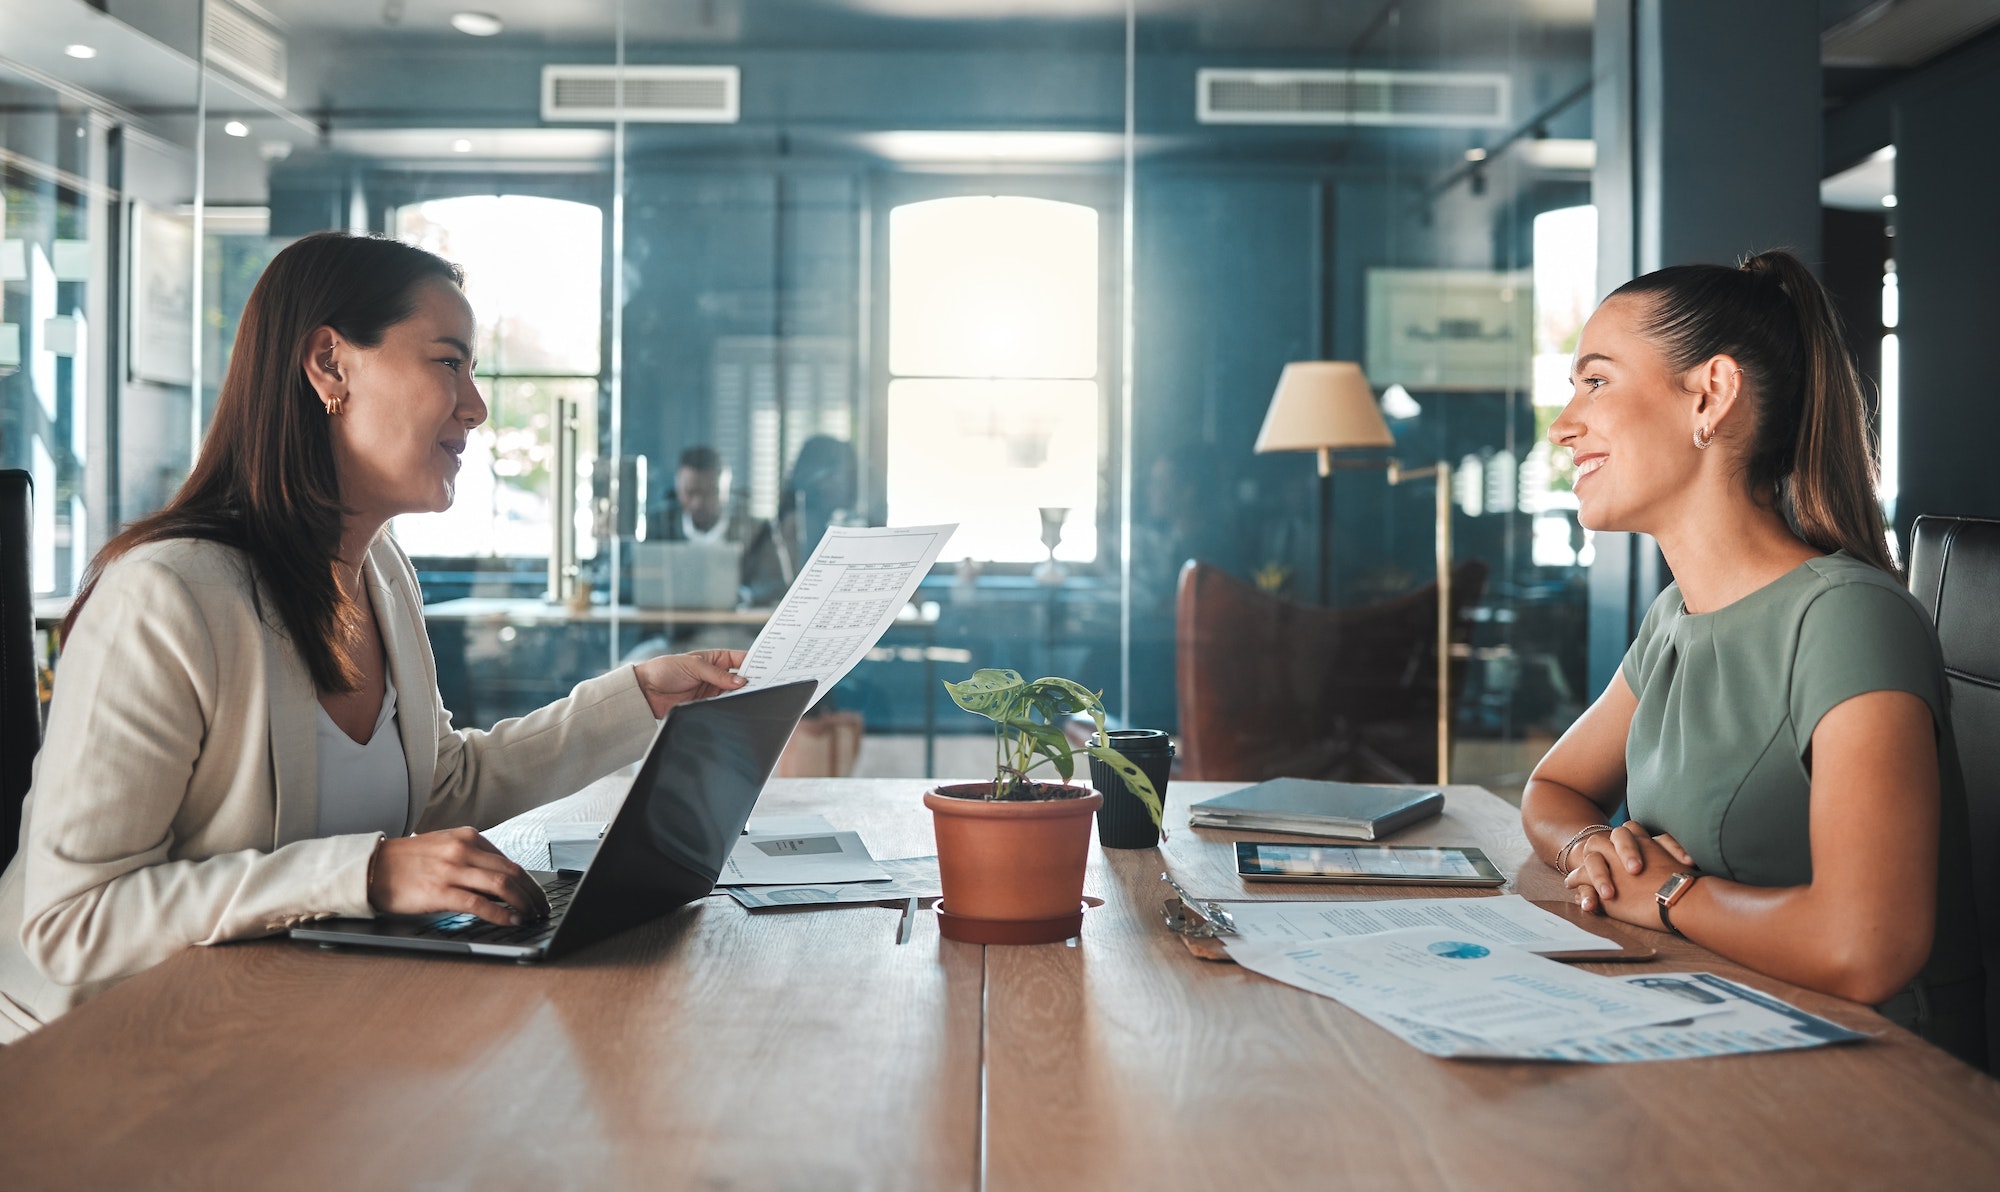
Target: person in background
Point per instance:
(699, 509)
(246, 731)
(822, 490)
(1778, 729)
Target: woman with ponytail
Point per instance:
(1778, 729)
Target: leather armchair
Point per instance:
(1955, 573)
(1269, 688)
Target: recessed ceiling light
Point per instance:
(1888, 200)
(80, 51)
(236, 128)
(477, 24)
(461, 145)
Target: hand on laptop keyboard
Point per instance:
(454, 870)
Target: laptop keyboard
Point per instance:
(471, 929)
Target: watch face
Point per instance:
(1671, 892)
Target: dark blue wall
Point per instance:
(1947, 253)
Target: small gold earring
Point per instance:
(1703, 437)
(334, 405)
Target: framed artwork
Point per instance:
(1450, 329)
(161, 348)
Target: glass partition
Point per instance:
(746, 272)
(1404, 187)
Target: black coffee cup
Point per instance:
(1123, 821)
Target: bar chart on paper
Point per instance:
(846, 596)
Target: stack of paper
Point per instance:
(1451, 993)
(1508, 919)
(798, 850)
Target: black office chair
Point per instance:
(20, 697)
(1955, 572)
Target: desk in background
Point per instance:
(806, 1049)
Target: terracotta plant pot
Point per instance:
(1013, 870)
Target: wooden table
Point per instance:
(806, 1049)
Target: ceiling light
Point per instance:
(1475, 155)
(461, 145)
(477, 24)
(1888, 200)
(80, 51)
(236, 128)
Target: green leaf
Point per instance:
(987, 693)
(1135, 781)
(1071, 696)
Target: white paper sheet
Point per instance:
(1507, 919)
(1744, 1022)
(909, 877)
(805, 859)
(845, 597)
(574, 845)
(1501, 1000)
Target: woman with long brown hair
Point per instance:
(1778, 729)
(246, 730)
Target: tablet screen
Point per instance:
(1366, 863)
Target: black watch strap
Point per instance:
(1685, 878)
(1667, 921)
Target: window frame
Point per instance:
(1097, 187)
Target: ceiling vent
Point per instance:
(655, 94)
(1407, 98)
(247, 47)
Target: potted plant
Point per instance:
(1011, 852)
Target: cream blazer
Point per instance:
(175, 795)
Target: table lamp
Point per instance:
(1323, 406)
(1326, 406)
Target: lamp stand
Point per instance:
(1442, 472)
(1325, 527)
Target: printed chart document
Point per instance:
(799, 859)
(909, 877)
(845, 597)
(1507, 919)
(1500, 1000)
(1746, 1021)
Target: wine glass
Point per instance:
(1048, 571)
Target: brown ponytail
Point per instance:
(1811, 445)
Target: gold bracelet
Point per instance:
(1583, 834)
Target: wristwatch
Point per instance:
(1673, 891)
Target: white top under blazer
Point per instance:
(363, 786)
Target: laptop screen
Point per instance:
(685, 811)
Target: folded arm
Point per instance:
(1862, 928)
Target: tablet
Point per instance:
(1370, 864)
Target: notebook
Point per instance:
(1309, 808)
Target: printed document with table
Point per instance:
(843, 601)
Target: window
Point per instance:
(533, 276)
(1565, 291)
(994, 372)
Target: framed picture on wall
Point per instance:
(1450, 329)
(161, 349)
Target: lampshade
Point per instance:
(1322, 405)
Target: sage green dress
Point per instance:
(1718, 752)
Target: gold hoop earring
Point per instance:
(334, 405)
(1700, 442)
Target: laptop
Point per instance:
(686, 576)
(667, 845)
